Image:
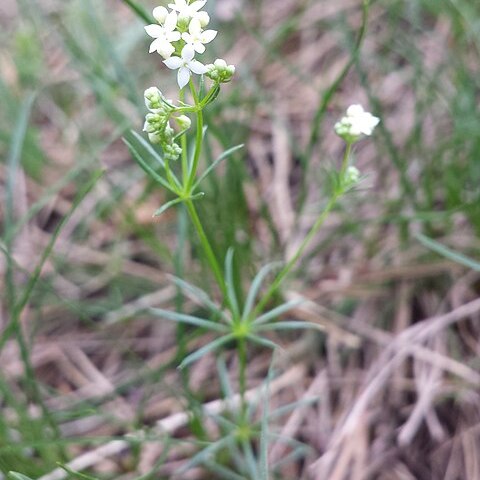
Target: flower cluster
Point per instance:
(157, 123)
(179, 35)
(355, 123)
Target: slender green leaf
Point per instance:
(277, 311)
(148, 147)
(210, 347)
(214, 165)
(190, 319)
(448, 252)
(255, 287)
(232, 296)
(167, 205)
(223, 472)
(264, 342)
(292, 325)
(202, 296)
(74, 474)
(205, 454)
(146, 167)
(18, 476)
(141, 13)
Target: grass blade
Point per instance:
(141, 13)
(448, 252)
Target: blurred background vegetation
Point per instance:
(392, 277)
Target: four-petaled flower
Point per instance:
(164, 35)
(186, 10)
(355, 123)
(185, 65)
(196, 37)
(361, 121)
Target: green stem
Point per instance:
(183, 144)
(338, 192)
(242, 373)
(198, 140)
(345, 161)
(212, 259)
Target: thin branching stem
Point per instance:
(337, 193)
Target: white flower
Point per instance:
(164, 35)
(196, 37)
(160, 14)
(355, 123)
(185, 65)
(361, 121)
(203, 18)
(185, 10)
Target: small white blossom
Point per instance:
(164, 35)
(186, 10)
(160, 14)
(185, 65)
(355, 123)
(203, 18)
(196, 37)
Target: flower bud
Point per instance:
(171, 151)
(154, 137)
(153, 98)
(352, 176)
(203, 18)
(160, 14)
(220, 64)
(220, 72)
(183, 122)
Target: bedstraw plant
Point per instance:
(181, 36)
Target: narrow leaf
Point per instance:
(448, 252)
(255, 287)
(148, 147)
(232, 296)
(166, 206)
(18, 476)
(264, 342)
(276, 312)
(193, 357)
(146, 167)
(141, 13)
(214, 165)
(200, 295)
(291, 325)
(190, 319)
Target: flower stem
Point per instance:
(198, 140)
(212, 259)
(338, 192)
(242, 373)
(183, 144)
